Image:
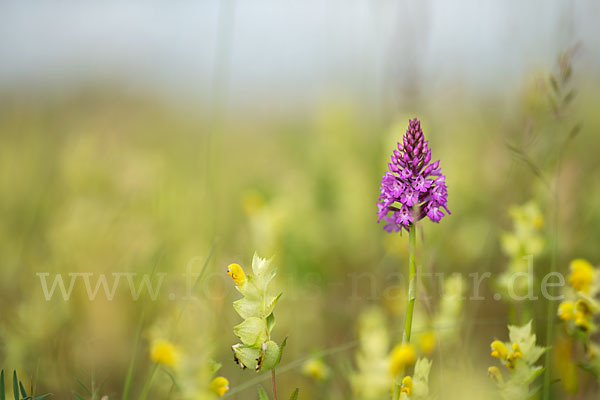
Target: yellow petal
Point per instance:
(164, 352)
(566, 310)
(499, 350)
(236, 272)
(407, 385)
(219, 385)
(403, 355)
(582, 274)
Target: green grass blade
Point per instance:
(2, 387)
(262, 395)
(83, 386)
(96, 393)
(79, 397)
(173, 380)
(43, 396)
(23, 392)
(131, 369)
(15, 386)
(294, 395)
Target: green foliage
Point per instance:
(262, 394)
(256, 350)
(19, 392)
(91, 393)
(294, 395)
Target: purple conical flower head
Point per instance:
(413, 188)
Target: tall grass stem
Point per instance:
(148, 384)
(274, 384)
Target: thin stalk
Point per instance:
(550, 312)
(412, 283)
(397, 388)
(148, 384)
(412, 295)
(274, 384)
(131, 369)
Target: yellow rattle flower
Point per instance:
(566, 310)
(164, 352)
(219, 385)
(237, 274)
(407, 385)
(499, 350)
(582, 275)
(513, 356)
(402, 356)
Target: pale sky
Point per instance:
(289, 50)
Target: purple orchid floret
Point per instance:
(413, 188)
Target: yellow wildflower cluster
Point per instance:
(524, 242)
(577, 312)
(164, 352)
(519, 355)
(444, 325)
(372, 379)
(416, 387)
(448, 321)
(578, 309)
(500, 351)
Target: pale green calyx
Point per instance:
(257, 350)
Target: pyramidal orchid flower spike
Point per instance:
(414, 187)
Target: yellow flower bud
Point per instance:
(499, 350)
(566, 310)
(402, 356)
(582, 275)
(237, 274)
(164, 352)
(407, 385)
(427, 342)
(219, 385)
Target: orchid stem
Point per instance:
(412, 283)
(412, 295)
